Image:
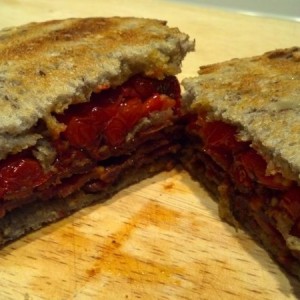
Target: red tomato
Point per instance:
(131, 112)
(115, 132)
(118, 109)
(291, 202)
(255, 166)
(219, 134)
(19, 174)
(100, 115)
(153, 103)
(81, 132)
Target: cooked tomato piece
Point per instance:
(220, 143)
(131, 112)
(256, 166)
(117, 109)
(81, 132)
(291, 202)
(158, 102)
(219, 134)
(219, 140)
(21, 174)
(115, 132)
(153, 103)
(100, 115)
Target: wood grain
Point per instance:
(162, 238)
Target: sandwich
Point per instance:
(243, 141)
(88, 107)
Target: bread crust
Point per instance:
(44, 67)
(260, 95)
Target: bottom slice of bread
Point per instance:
(33, 216)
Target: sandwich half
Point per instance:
(88, 106)
(243, 143)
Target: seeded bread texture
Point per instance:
(44, 67)
(261, 96)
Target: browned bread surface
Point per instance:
(261, 95)
(44, 67)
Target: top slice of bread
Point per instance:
(260, 95)
(44, 67)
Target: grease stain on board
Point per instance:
(116, 262)
(78, 258)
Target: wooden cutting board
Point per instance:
(162, 238)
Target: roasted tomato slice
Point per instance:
(220, 135)
(219, 141)
(131, 112)
(291, 202)
(256, 166)
(22, 173)
(117, 109)
(153, 103)
(81, 132)
(157, 103)
(115, 132)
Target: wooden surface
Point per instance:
(162, 238)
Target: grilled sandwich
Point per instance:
(88, 106)
(243, 141)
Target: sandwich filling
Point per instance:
(265, 201)
(119, 128)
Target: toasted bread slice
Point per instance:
(45, 67)
(259, 95)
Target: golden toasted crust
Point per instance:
(44, 67)
(261, 95)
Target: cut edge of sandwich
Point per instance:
(56, 78)
(45, 67)
(259, 95)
